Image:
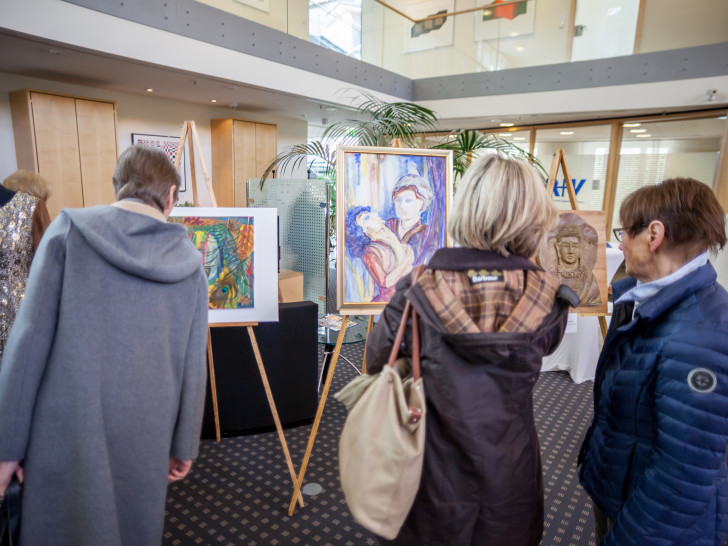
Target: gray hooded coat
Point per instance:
(103, 376)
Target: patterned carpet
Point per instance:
(239, 490)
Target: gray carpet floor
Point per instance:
(239, 489)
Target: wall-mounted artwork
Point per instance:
(239, 254)
(170, 145)
(429, 34)
(510, 21)
(392, 210)
(575, 253)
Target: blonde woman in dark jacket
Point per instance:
(488, 315)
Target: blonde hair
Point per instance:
(28, 182)
(503, 206)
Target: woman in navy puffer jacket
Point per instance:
(654, 458)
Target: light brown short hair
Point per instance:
(502, 205)
(145, 173)
(28, 182)
(687, 208)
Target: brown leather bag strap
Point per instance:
(416, 272)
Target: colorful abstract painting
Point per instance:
(392, 212)
(226, 244)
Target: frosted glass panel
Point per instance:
(302, 212)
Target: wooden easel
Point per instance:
(560, 160)
(322, 403)
(189, 128)
(189, 134)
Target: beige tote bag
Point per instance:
(382, 444)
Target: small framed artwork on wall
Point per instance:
(170, 145)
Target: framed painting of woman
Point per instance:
(392, 211)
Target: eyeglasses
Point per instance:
(618, 232)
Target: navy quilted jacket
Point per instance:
(654, 458)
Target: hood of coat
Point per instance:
(544, 306)
(136, 243)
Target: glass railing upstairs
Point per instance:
(430, 38)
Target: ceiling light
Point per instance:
(567, 132)
(638, 130)
(520, 48)
(331, 109)
(149, 89)
(632, 124)
(643, 136)
(213, 100)
(519, 138)
(52, 51)
(507, 124)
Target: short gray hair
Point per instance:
(502, 205)
(145, 173)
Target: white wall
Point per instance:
(144, 114)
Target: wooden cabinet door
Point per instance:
(56, 140)
(266, 146)
(244, 159)
(97, 150)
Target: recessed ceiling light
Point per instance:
(632, 124)
(213, 100)
(520, 48)
(519, 138)
(643, 136)
(149, 89)
(567, 132)
(52, 51)
(507, 124)
(331, 109)
(638, 130)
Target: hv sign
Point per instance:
(560, 187)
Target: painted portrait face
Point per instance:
(408, 206)
(370, 222)
(569, 250)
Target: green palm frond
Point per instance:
(465, 143)
(293, 156)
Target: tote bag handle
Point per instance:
(415, 332)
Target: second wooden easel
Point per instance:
(560, 161)
(189, 134)
(322, 403)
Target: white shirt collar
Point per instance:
(644, 291)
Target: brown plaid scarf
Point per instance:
(518, 303)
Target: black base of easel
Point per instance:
(290, 353)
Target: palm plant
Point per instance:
(385, 124)
(465, 144)
(380, 123)
(377, 123)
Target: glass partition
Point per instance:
(429, 38)
(302, 215)
(653, 151)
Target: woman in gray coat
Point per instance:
(103, 377)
